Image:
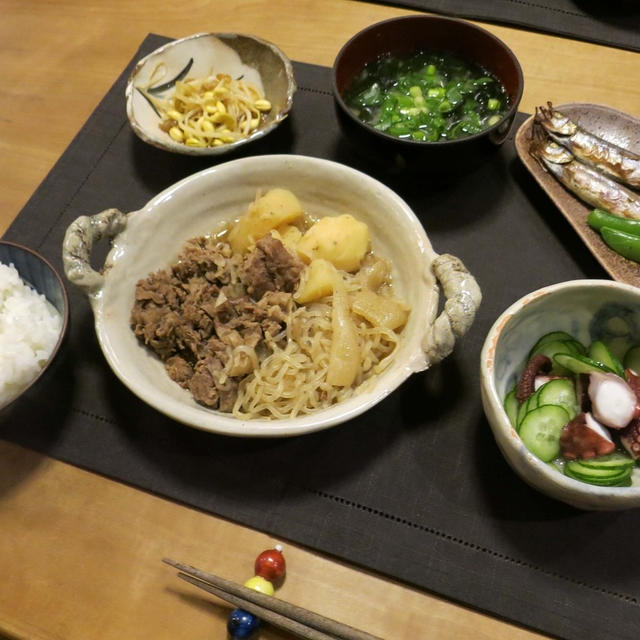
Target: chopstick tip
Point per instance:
(170, 562)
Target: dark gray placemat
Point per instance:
(616, 23)
(416, 488)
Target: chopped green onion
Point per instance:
(428, 96)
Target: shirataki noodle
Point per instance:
(292, 380)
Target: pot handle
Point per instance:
(463, 297)
(78, 242)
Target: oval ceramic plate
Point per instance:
(610, 124)
(197, 56)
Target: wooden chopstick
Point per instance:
(300, 629)
(302, 622)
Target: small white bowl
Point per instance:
(151, 238)
(588, 310)
(258, 61)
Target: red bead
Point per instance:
(270, 565)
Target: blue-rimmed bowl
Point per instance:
(589, 310)
(37, 272)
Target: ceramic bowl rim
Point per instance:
(502, 425)
(425, 144)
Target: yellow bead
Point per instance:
(174, 115)
(258, 583)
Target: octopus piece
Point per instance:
(633, 380)
(613, 401)
(582, 391)
(630, 438)
(538, 364)
(584, 437)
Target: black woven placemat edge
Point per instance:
(573, 26)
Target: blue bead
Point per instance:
(242, 624)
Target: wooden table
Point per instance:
(80, 554)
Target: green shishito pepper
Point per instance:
(621, 235)
(599, 218)
(625, 244)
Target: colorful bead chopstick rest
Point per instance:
(269, 568)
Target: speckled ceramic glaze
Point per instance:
(37, 272)
(252, 58)
(151, 238)
(587, 309)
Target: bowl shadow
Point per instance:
(34, 420)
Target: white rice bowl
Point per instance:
(29, 331)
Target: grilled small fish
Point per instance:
(617, 162)
(584, 181)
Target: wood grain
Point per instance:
(81, 554)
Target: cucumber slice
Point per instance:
(632, 359)
(511, 407)
(528, 405)
(522, 412)
(561, 392)
(599, 352)
(558, 346)
(576, 347)
(615, 460)
(553, 336)
(540, 431)
(552, 348)
(580, 469)
(580, 364)
(601, 477)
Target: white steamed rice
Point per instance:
(29, 330)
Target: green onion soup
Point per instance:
(427, 97)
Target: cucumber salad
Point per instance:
(578, 409)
